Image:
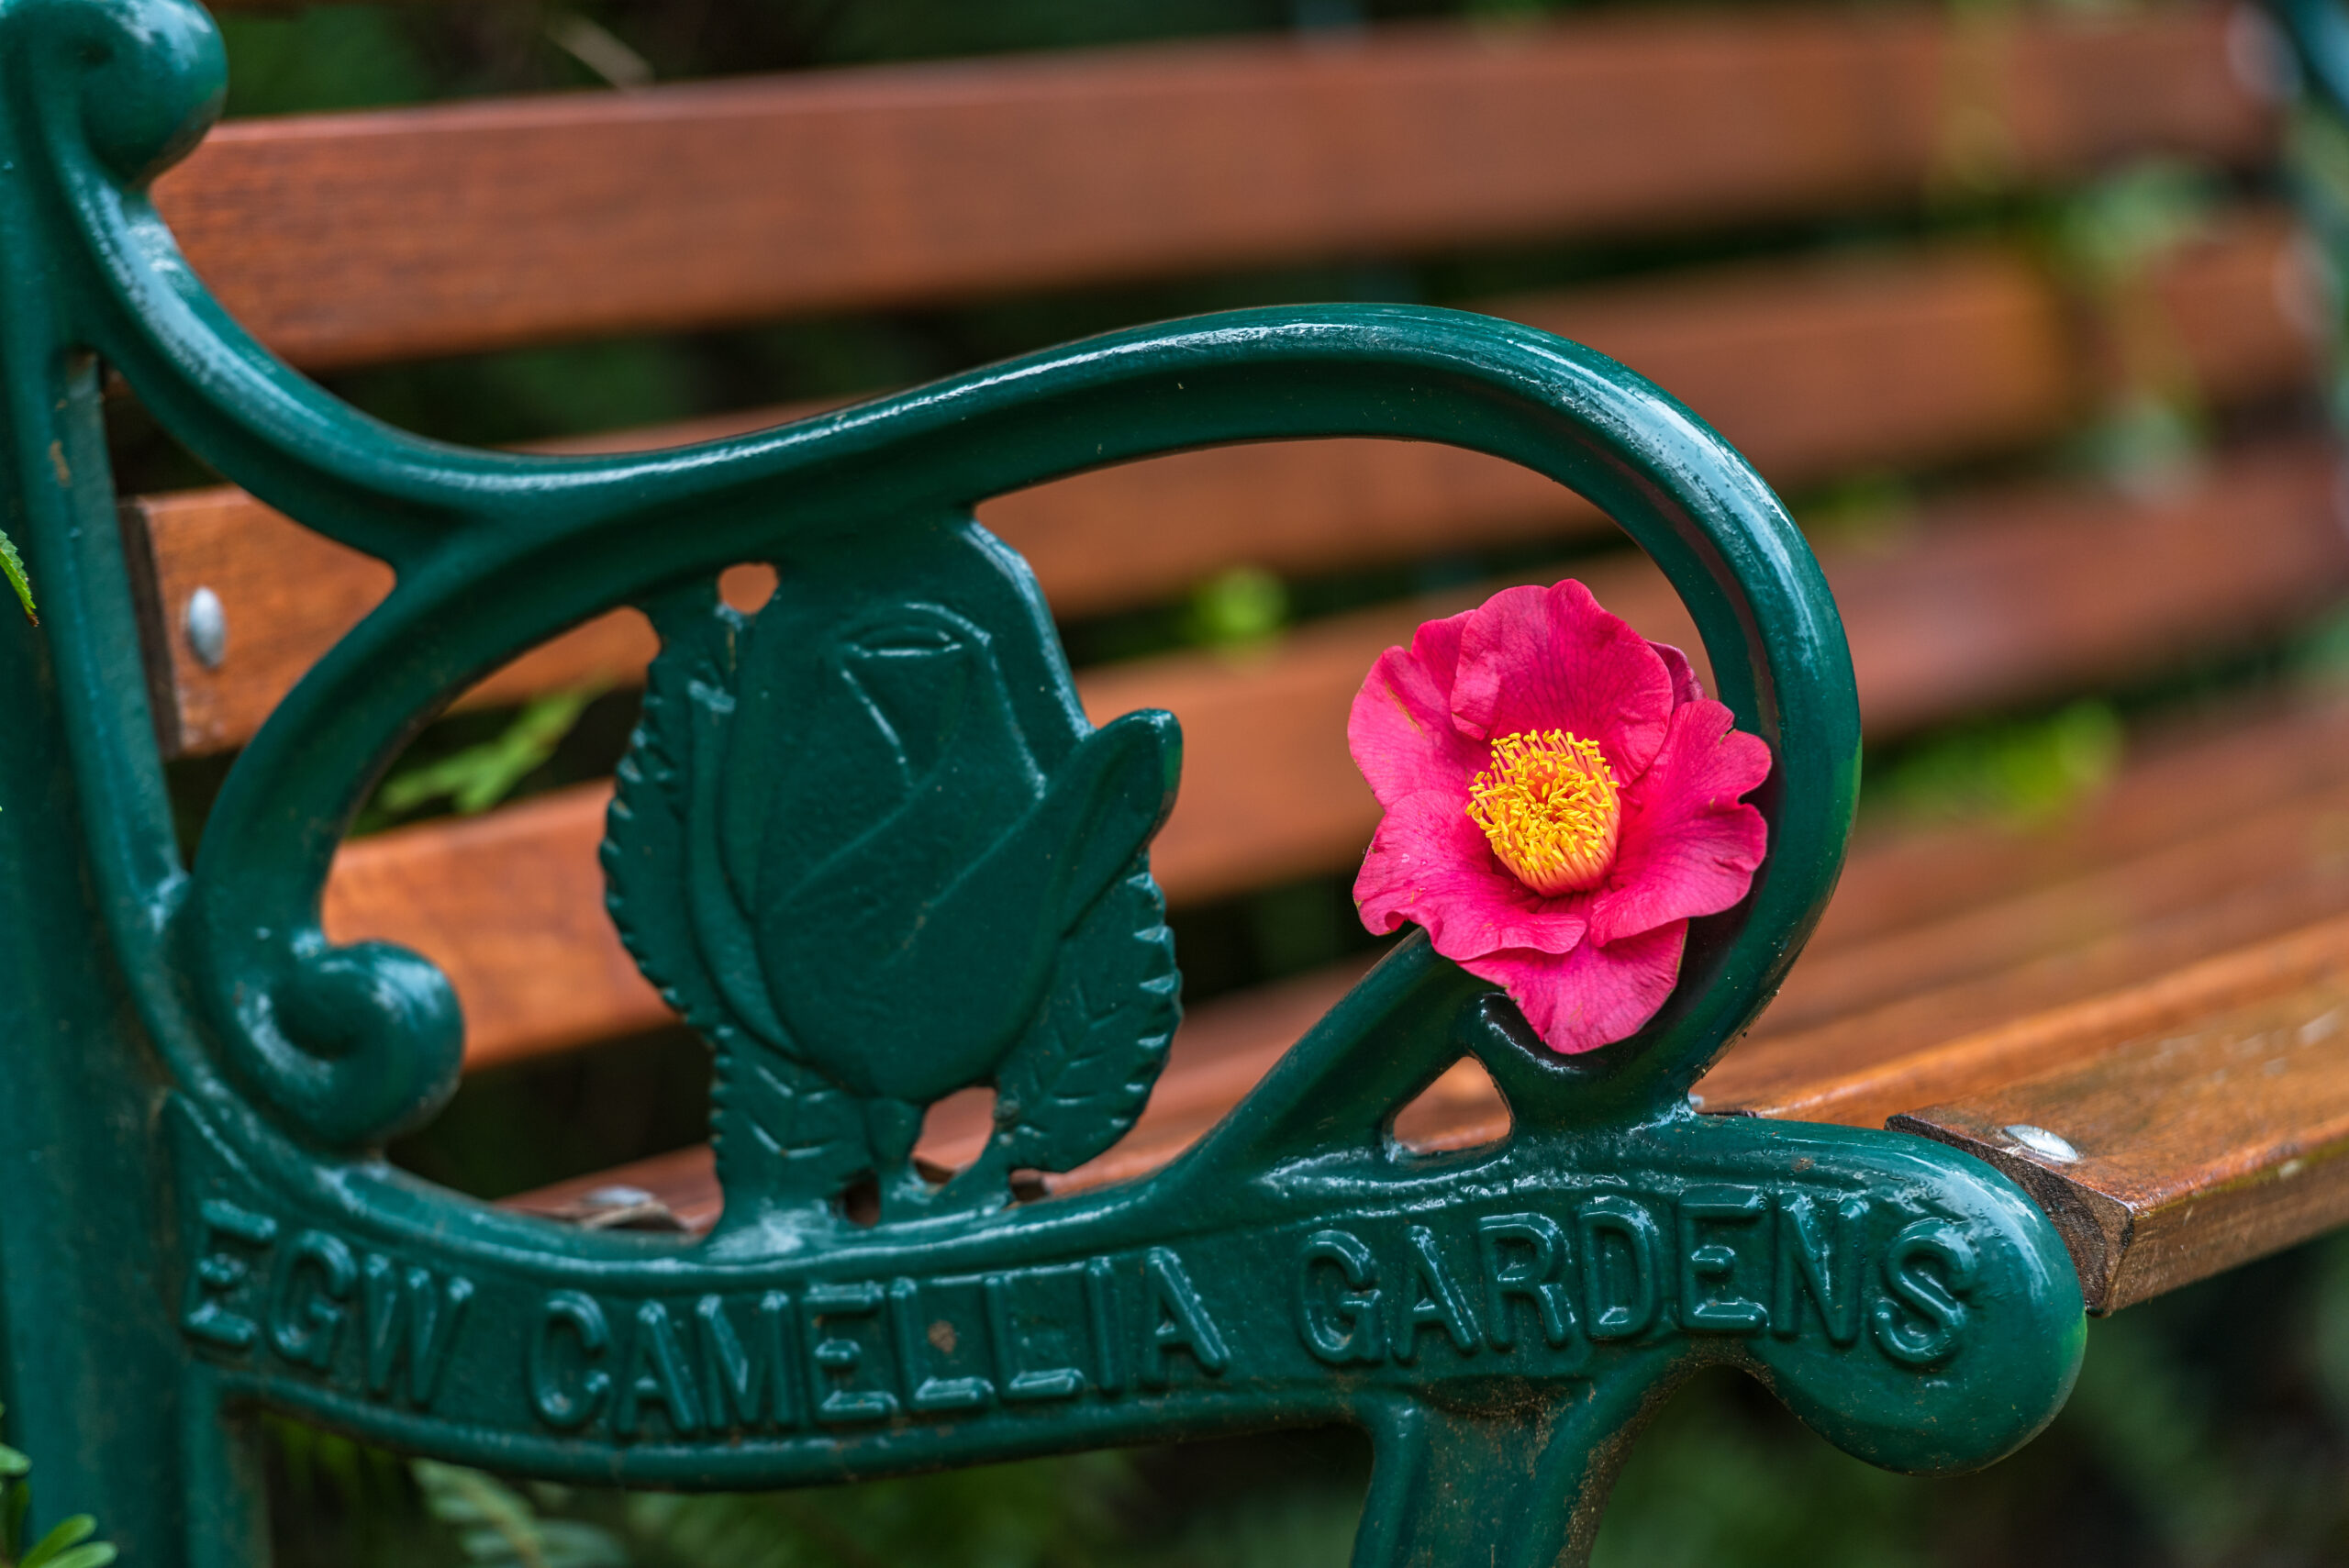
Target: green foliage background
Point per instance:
(2211, 1428)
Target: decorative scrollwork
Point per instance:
(146, 78)
(358, 1044)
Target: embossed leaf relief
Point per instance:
(866, 843)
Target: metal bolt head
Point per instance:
(2045, 1144)
(616, 1198)
(205, 625)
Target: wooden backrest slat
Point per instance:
(340, 239)
(1812, 368)
(1269, 791)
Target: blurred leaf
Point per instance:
(1242, 608)
(62, 1547)
(12, 1520)
(324, 57)
(1709, 1485)
(2321, 656)
(2147, 444)
(478, 777)
(1037, 1513)
(12, 568)
(1302, 1529)
(1874, 509)
(2106, 237)
(525, 395)
(594, 46)
(2025, 771)
(2117, 227)
(2154, 1434)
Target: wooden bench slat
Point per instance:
(1812, 368)
(511, 906)
(2209, 861)
(1863, 1065)
(455, 227)
(1270, 792)
(2206, 1103)
(1242, 1036)
(2214, 767)
(1228, 1043)
(2191, 1149)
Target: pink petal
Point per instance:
(1594, 995)
(1400, 730)
(1685, 687)
(1689, 847)
(1431, 865)
(1535, 658)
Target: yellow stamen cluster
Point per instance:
(1549, 807)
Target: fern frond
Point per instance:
(496, 1526)
(66, 1546)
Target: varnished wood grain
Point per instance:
(446, 229)
(1812, 368)
(2196, 1146)
(2285, 854)
(2214, 768)
(510, 905)
(1860, 1065)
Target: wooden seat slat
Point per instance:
(2108, 1060)
(1812, 368)
(1269, 790)
(1832, 1071)
(2208, 859)
(511, 907)
(1783, 1072)
(2218, 767)
(1865, 1092)
(2183, 1152)
(352, 236)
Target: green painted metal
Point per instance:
(869, 844)
(2316, 33)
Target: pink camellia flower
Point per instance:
(1561, 798)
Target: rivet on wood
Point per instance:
(205, 625)
(2043, 1144)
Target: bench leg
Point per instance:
(1499, 1487)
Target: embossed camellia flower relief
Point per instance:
(1561, 798)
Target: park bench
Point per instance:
(2135, 1011)
(1949, 960)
